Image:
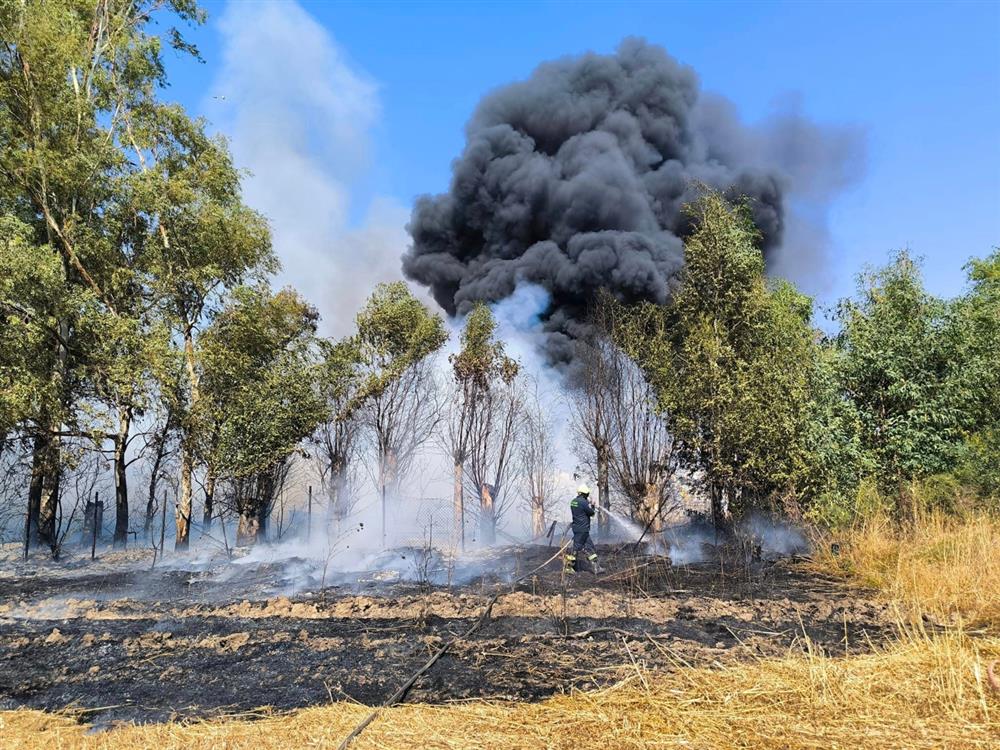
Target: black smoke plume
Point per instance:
(575, 178)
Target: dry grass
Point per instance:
(927, 691)
(943, 566)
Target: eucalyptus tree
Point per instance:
(336, 437)
(538, 460)
(477, 368)
(79, 116)
(35, 304)
(398, 396)
(261, 397)
(494, 460)
(730, 360)
(486, 420)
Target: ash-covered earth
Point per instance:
(126, 642)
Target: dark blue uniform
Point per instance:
(582, 512)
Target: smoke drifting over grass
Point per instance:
(575, 180)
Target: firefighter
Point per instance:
(582, 512)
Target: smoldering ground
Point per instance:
(576, 180)
(132, 644)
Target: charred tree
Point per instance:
(538, 463)
(484, 414)
(494, 455)
(400, 418)
(210, 480)
(591, 390)
(121, 439)
(252, 498)
(43, 489)
(160, 442)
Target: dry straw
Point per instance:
(929, 689)
(945, 567)
(926, 691)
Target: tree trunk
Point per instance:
(652, 517)
(487, 516)
(161, 446)
(52, 462)
(388, 477)
(47, 532)
(338, 480)
(603, 493)
(183, 514)
(382, 492)
(43, 490)
(206, 524)
(721, 517)
(537, 517)
(121, 482)
(35, 487)
(458, 506)
(252, 527)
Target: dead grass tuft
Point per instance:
(943, 566)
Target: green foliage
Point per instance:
(910, 397)
(732, 362)
(340, 375)
(260, 381)
(395, 331)
(978, 319)
(837, 507)
(33, 295)
(836, 461)
(481, 360)
(78, 80)
(979, 466)
(904, 369)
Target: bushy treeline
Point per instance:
(138, 326)
(896, 409)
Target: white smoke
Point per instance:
(300, 117)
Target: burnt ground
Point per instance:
(141, 645)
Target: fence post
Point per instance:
(93, 521)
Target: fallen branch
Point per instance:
(400, 694)
(594, 631)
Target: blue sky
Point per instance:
(922, 80)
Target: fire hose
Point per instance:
(405, 687)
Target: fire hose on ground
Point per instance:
(400, 694)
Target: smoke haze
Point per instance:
(575, 178)
(300, 117)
